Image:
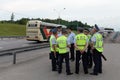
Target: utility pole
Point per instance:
(59, 14)
(12, 17)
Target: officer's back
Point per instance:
(63, 53)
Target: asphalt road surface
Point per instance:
(10, 44)
(35, 65)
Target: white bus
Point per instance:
(39, 31)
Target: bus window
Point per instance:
(35, 25)
(32, 25)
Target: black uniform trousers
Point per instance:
(54, 61)
(84, 61)
(89, 57)
(97, 61)
(60, 58)
(72, 48)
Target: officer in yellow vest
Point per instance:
(53, 49)
(81, 44)
(97, 49)
(62, 44)
(89, 54)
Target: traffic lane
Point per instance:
(39, 68)
(10, 44)
(112, 66)
(23, 56)
(6, 62)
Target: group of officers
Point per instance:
(87, 44)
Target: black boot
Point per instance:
(69, 73)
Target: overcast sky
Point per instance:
(105, 13)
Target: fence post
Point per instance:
(14, 58)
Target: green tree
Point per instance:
(23, 21)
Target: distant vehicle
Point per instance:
(106, 31)
(39, 31)
(109, 30)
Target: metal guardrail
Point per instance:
(115, 36)
(17, 37)
(22, 49)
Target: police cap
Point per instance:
(96, 27)
(80, 29)
(54, 31)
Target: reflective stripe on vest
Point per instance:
(62, 44)
(99, 42)
(81, 41)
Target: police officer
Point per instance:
(63, 52)
(59, 33)
(89, 54)
(97, 48)
(59, 29)
(53, 49)
(71, 38)
(81, 44)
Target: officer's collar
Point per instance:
(53, 35)
(62, 35)
(81, 33)
(96, 32)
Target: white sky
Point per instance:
(105, 13)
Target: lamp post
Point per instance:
(59, 14)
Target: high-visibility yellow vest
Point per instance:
(57, 49)
(89, 37)
(62, 44)
(81, 40)
(99, 42)
(51, 37)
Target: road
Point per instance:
(35, 65)
(9, 43)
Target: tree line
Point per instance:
(73, 24)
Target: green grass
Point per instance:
(7, 29)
